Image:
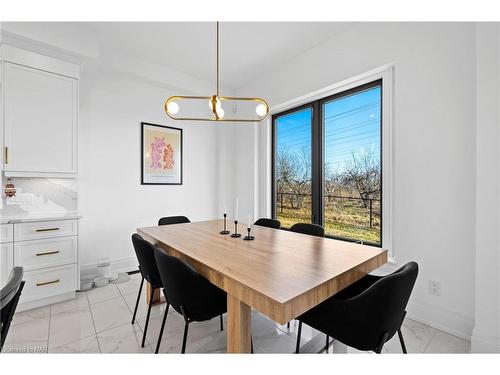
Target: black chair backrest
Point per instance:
(146, 258)
(380, 308)
(311, 229)
(270, 223)
(167, 220)
(9, 297)
(184, 286)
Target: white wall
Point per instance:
(434, 156)
(486, 337)
(112, 201)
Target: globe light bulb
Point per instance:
(172, 108)
(220, 112)
(216, 107)
(261, 110)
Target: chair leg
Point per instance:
(382, 342)
(251, 345)
(297, 348)
(147, 320)
(327, 342)
(161, 329)
(185, 338)
(221, 323)
(288, 325)
(403, 346)
(137, 302)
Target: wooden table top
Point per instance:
(280, 265)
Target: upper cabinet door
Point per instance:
(40, 118)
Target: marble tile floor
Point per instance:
(98, 321)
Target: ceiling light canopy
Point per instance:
(216, 107)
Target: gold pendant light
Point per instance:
(219, 108)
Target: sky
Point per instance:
(351, 123)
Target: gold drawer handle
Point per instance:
(46, 229)
(47, 282)
(47, 253)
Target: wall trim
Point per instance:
(434, 316)
(441, 318)
(89, 271)
(484, 343)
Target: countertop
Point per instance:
(25, 218)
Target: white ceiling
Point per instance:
(247, 49)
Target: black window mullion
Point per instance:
(317, 162)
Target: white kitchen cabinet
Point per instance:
(40, 112)
(48, 252)
(6, 252)
(6, 262)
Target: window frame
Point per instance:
(316, 101)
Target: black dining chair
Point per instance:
(306, 228)
(269, 223)
(312, 230)
(188, 292)
(366, 314)
(168, 220)
(9, 298)
(149, 272)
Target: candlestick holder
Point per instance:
(248, 237)
(225, 231)
(236, 234)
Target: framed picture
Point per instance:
(161, 155)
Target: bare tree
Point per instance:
(285, 170)
(363, 174)
(294, 175)
(333, 181)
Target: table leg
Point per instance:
(150, 295)
(238, 326)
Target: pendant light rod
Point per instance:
(217, 58)
(172, 105)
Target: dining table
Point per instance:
(279, 273)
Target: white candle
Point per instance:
(249, 221)
(236, 210)
(225, 209)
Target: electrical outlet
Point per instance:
(435, 287)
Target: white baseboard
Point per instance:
(438, 317)
(441, 318)
(89, 271)
(44, 301)
(484, 343)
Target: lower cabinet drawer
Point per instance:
(49, 282)
(49, 252)
(45, 229)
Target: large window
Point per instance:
(327, 164)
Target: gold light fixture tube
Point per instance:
(174, 103)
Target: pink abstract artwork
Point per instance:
(161, 152)
(168, 157)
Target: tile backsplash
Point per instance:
(40, 196)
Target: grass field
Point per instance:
(343, 218)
